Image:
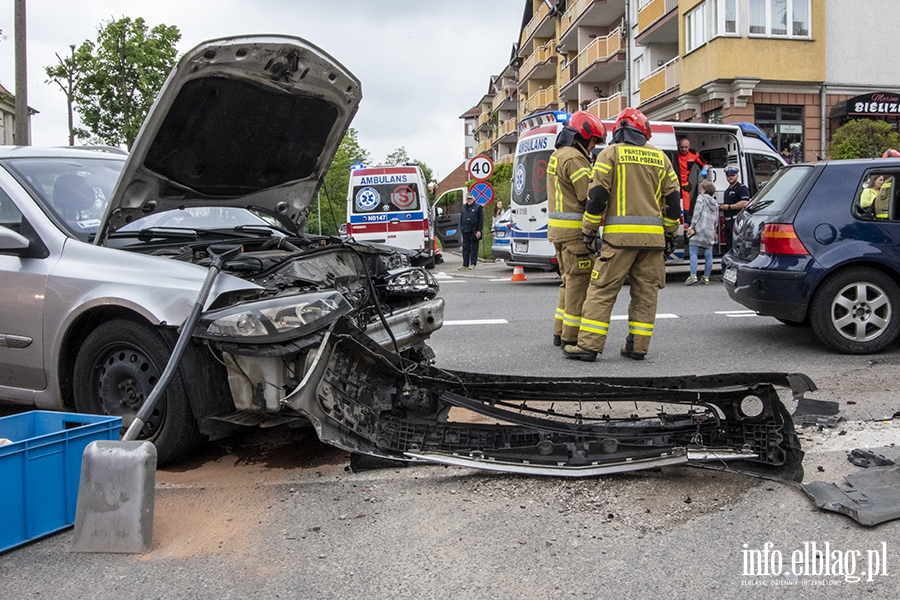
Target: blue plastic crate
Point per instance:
(41, 468)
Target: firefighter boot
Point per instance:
(628, 349)
(577, 353)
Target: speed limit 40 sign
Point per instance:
(481, 167)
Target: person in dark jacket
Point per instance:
(471, 222)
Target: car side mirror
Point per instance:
(440, 211)
(12, 242)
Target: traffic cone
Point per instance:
(518, 274)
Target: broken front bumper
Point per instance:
(365, 399)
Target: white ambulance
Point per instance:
(739, 144)
(389, 205)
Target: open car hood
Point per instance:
(250, 121)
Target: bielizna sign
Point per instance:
(877, 103)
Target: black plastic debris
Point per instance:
(868, 497)
(867, 458)
(821, 413)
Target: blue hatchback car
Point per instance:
(820, 244)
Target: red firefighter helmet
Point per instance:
(890, 153)
(634, 118)
(588, 126)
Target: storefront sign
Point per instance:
(874, 104)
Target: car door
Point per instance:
(22, 302)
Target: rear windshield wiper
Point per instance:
(758, 205)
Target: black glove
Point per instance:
(670, 245)
(592, 242)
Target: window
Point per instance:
(783, 125)
(725, 17)
(638, 73)
(782, 18)
(695, 28)
(876, 198)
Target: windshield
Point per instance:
(530, 177)
(73, 191)
(379, 198)
(780, 191)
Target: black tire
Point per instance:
(115, 370)
(430, 263)
(855, 311)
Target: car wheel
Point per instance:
(855, 311)
(115, 370)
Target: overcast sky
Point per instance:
(422, 63)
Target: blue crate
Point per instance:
(41, 469)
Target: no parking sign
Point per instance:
(483, 192)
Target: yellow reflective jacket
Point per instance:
(568, 180)
(638, 179)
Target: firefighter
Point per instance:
(569, 177)
(635, 191)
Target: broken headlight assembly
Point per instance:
(274, 320)
(410, 281)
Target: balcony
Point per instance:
(608, 108)
(658, 22)
(661, 81)
(505, 99)
(538, 23)
(601, 49)
(508, 127)
(588, 13)
(545, 98)
(506, 159)
(483, 147)
(541, 64)
(482, 121)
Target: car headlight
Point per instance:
(273, 320)
(412, 281)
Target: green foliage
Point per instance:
(502, 182)
(67, 74)
(862, 138)
(401, 156)
(121, 75)
(332, 205)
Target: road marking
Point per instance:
(659, 316)
(737, 313)
(478, 322)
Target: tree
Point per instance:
(66, 71)
(862, 138)
(332, 205)
(120, 78)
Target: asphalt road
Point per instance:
(275, 514)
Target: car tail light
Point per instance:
(779, 238)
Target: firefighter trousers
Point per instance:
(575, 266)
(646, 270)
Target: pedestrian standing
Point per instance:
(471, 222)
(736, 197)
(702, 231)
(635, 192)
(568, 180)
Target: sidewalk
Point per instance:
(484, 269)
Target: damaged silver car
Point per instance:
(102, 255)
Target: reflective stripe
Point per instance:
(582, 172)
(602, 167)
(652, 229)
(572, 321)
(564, 224)
(636, 328)
(593, 219)
(560, 313)
(634, 220)
(597, 327)
(881, 215)
(565, 216)
(620, 192)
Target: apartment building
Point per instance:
(798, 69)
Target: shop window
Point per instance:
(784, 127)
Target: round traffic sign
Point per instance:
(483, 192)
(480, 167)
